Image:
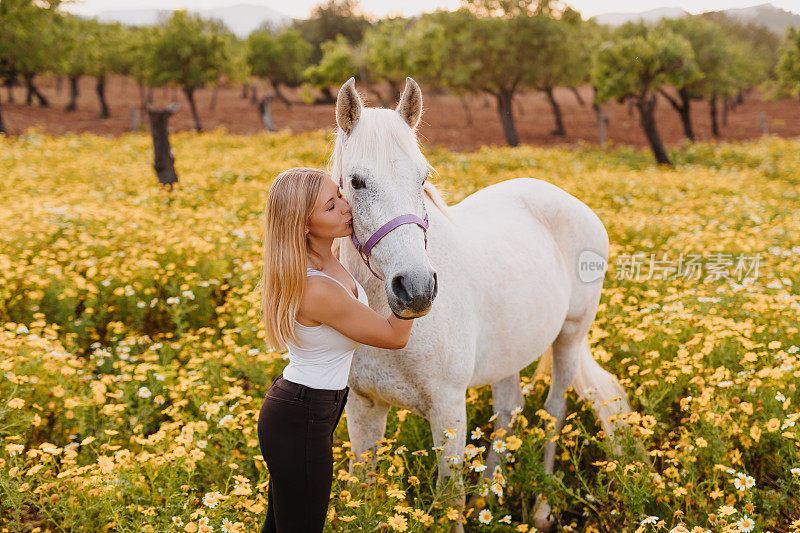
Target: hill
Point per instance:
(767, 15)
(241, 19)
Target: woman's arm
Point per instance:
(325, 301)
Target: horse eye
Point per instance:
(357, 182)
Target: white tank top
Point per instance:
(322, 357)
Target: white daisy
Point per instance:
(499, 446)
(484, 517)
(144, 392)
(746, 524)
(649, 520)
(211, 499)
(476, 433)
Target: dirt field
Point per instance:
(444, 120)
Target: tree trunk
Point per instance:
(559, 131)
(9, 83)
(714, 124)
(740, 97)
(630, 106)
(578, 96)
(396, 92)
(59, 84)
(142, 97)
(726, 106)
(254, 94)
(190, 96)
(101, 95)
(685, 112)
(2, 125)
(466, 110)
(34, 92)
(647, 106)
(245, 89)
(73, 94)
(683, 106)
(213, 103)
(602, 120)
(265, 112)
(327, 96)
(504, 101)
(279, 94)
(164, 161)
(378, 95)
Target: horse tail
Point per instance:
(597, 385)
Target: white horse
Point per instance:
(503, 268)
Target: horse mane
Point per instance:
(378, 130)
(437, 198)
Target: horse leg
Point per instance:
(366, 424)
(451, 415)
(506, 398)
(565, 361)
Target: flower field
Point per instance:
(133, 367)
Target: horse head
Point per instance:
(381, 170)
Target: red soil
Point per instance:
(444, 120)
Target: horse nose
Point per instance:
(415, 293)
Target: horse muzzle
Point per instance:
(411, 294)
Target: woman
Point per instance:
(316, 308)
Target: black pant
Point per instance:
(295, 434)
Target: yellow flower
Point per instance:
(773, 425)
(398, 522)
(701, 442)
(726, 510)
(16, 403)
(513, 443)
(396, 493)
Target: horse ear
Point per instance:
(348, 106)
(410, 106)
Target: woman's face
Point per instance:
(331, 216)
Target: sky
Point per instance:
(380, 8)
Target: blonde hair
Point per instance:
(290, 202)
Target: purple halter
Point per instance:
(364, 251)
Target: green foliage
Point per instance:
(137, 51)
(763, 42)
(641, 64)
(789, 63)
(189, 51)
(105, 42)
(724, 65)
(329, 19)
(237, 70)
(75, 37)
(387, 50)
(28, 36)
(339, 62)
(281, 58)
